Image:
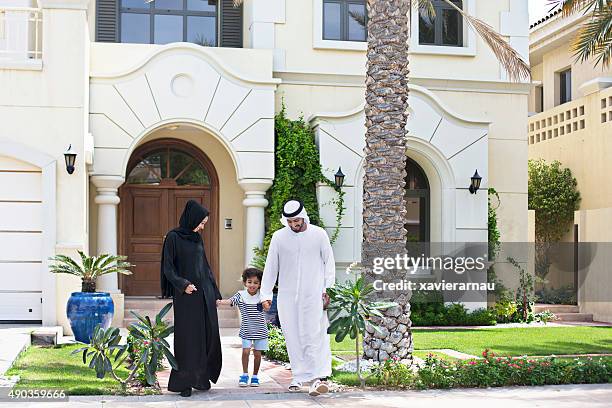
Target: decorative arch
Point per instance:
(183, 83)
(446, 144)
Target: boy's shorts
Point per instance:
(259, 345)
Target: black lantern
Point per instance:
(70, 157)
(475, 185)
(339, 177)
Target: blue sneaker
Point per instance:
(254, 382)
(244, 381)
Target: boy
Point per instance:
(253, 328)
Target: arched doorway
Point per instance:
(161, 177)
(417, 196)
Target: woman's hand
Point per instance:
(190, 289)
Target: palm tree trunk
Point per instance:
(384, 206)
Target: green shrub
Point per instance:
(277, 347)
(392, 373)
(565, 295)
(506, 311)
(428, 309)
(494, 371)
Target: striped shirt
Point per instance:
(252, 320)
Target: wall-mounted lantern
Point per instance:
(70, 157)
(475, 184)
(339, 176)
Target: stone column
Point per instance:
(107, 200)
(255, 204)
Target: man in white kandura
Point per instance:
(301, 256)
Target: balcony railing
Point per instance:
(575, 117)
(20, 34)
(558, 121)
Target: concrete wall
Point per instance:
(56, 97)
(594, 294)
(585, 151)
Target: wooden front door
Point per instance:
(151, 208)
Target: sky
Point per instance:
(538, 9)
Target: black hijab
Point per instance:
(192, 216)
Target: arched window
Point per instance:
(417, 203)
(169, 166)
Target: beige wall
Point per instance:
(296, 38)
(585, 151)
(559, 59)
(46, 111)
(594, 294)
(507, 152)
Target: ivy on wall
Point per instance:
(494, 234)
(297, 174)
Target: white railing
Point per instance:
(20, 34)
(558, 121)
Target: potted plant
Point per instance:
(87, 309)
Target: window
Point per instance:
(345, 20)
(445, 28)
(417, 205)
(168, 166)
(565, 86)
(539, 99)
(166, 21)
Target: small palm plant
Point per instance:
(350, 311)
(91, 267)
(104, 354)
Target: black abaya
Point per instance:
(197, 346)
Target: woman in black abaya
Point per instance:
(186, 276)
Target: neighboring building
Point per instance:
(571, 121)
(154, 125)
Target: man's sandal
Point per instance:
(318, 387)
(295, 386)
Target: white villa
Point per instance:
(175, 99)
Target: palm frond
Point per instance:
(595, 37)
(426, 9)
(569, 7)
(604, 53)
(510, 60)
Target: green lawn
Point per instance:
(535, 341)
(56, 368)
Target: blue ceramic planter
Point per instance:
(87, 310)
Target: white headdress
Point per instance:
(294, 209)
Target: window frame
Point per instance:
(565, 86)
(345, 19)
(469, 36)
(440, 6)
(318, 41)
(151, 11)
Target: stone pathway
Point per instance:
(272, 376)
(557, 396)
(13, 340)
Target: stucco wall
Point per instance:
(45, 110)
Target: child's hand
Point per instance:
(219, 302)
